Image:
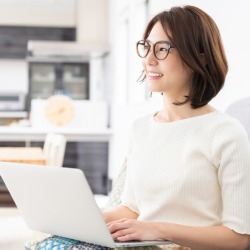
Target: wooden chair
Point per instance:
(54, 149)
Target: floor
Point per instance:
(14, 232)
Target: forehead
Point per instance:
(158, 34)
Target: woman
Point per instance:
(188, 174)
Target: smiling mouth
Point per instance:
(153, 74)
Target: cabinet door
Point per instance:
(42, 80)
(75, 80)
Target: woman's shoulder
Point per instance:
(227, 125)
(224, 119)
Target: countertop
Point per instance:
(19, 133)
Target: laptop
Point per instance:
(59, 201)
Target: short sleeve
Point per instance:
(231, 154)
(128, 197)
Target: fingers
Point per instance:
(121, 233)
(131, 229)
(122, 230)
(127, 237)
(117, 227)
(117, 221)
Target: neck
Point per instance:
(172, 112)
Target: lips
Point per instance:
(154, 74)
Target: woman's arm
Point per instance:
(202, 238)
(119, 212)
(205, 238)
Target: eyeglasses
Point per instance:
(160, 49)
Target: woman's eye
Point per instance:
(163, 49)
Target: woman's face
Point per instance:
(169, 76)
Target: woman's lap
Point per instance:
(61, 243)
(87, 246)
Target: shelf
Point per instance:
(13, 114)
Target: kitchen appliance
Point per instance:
(12, 101)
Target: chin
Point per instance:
(156, 90)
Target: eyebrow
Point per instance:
(164, 41)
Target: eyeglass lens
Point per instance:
(161, 49)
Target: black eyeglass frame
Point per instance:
(146, 42)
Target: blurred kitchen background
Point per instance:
(85, 50)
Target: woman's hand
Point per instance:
(207, 238)
(131, 229)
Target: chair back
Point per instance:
(241, 111)
(54, 149)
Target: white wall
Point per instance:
(92, 21)
(92, 27)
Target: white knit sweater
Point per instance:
(194, 171)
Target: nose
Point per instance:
(150, 59)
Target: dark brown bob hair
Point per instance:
(197, 39)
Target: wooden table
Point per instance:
(28, 155)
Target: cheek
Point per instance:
(175, 68)
(170, 71)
